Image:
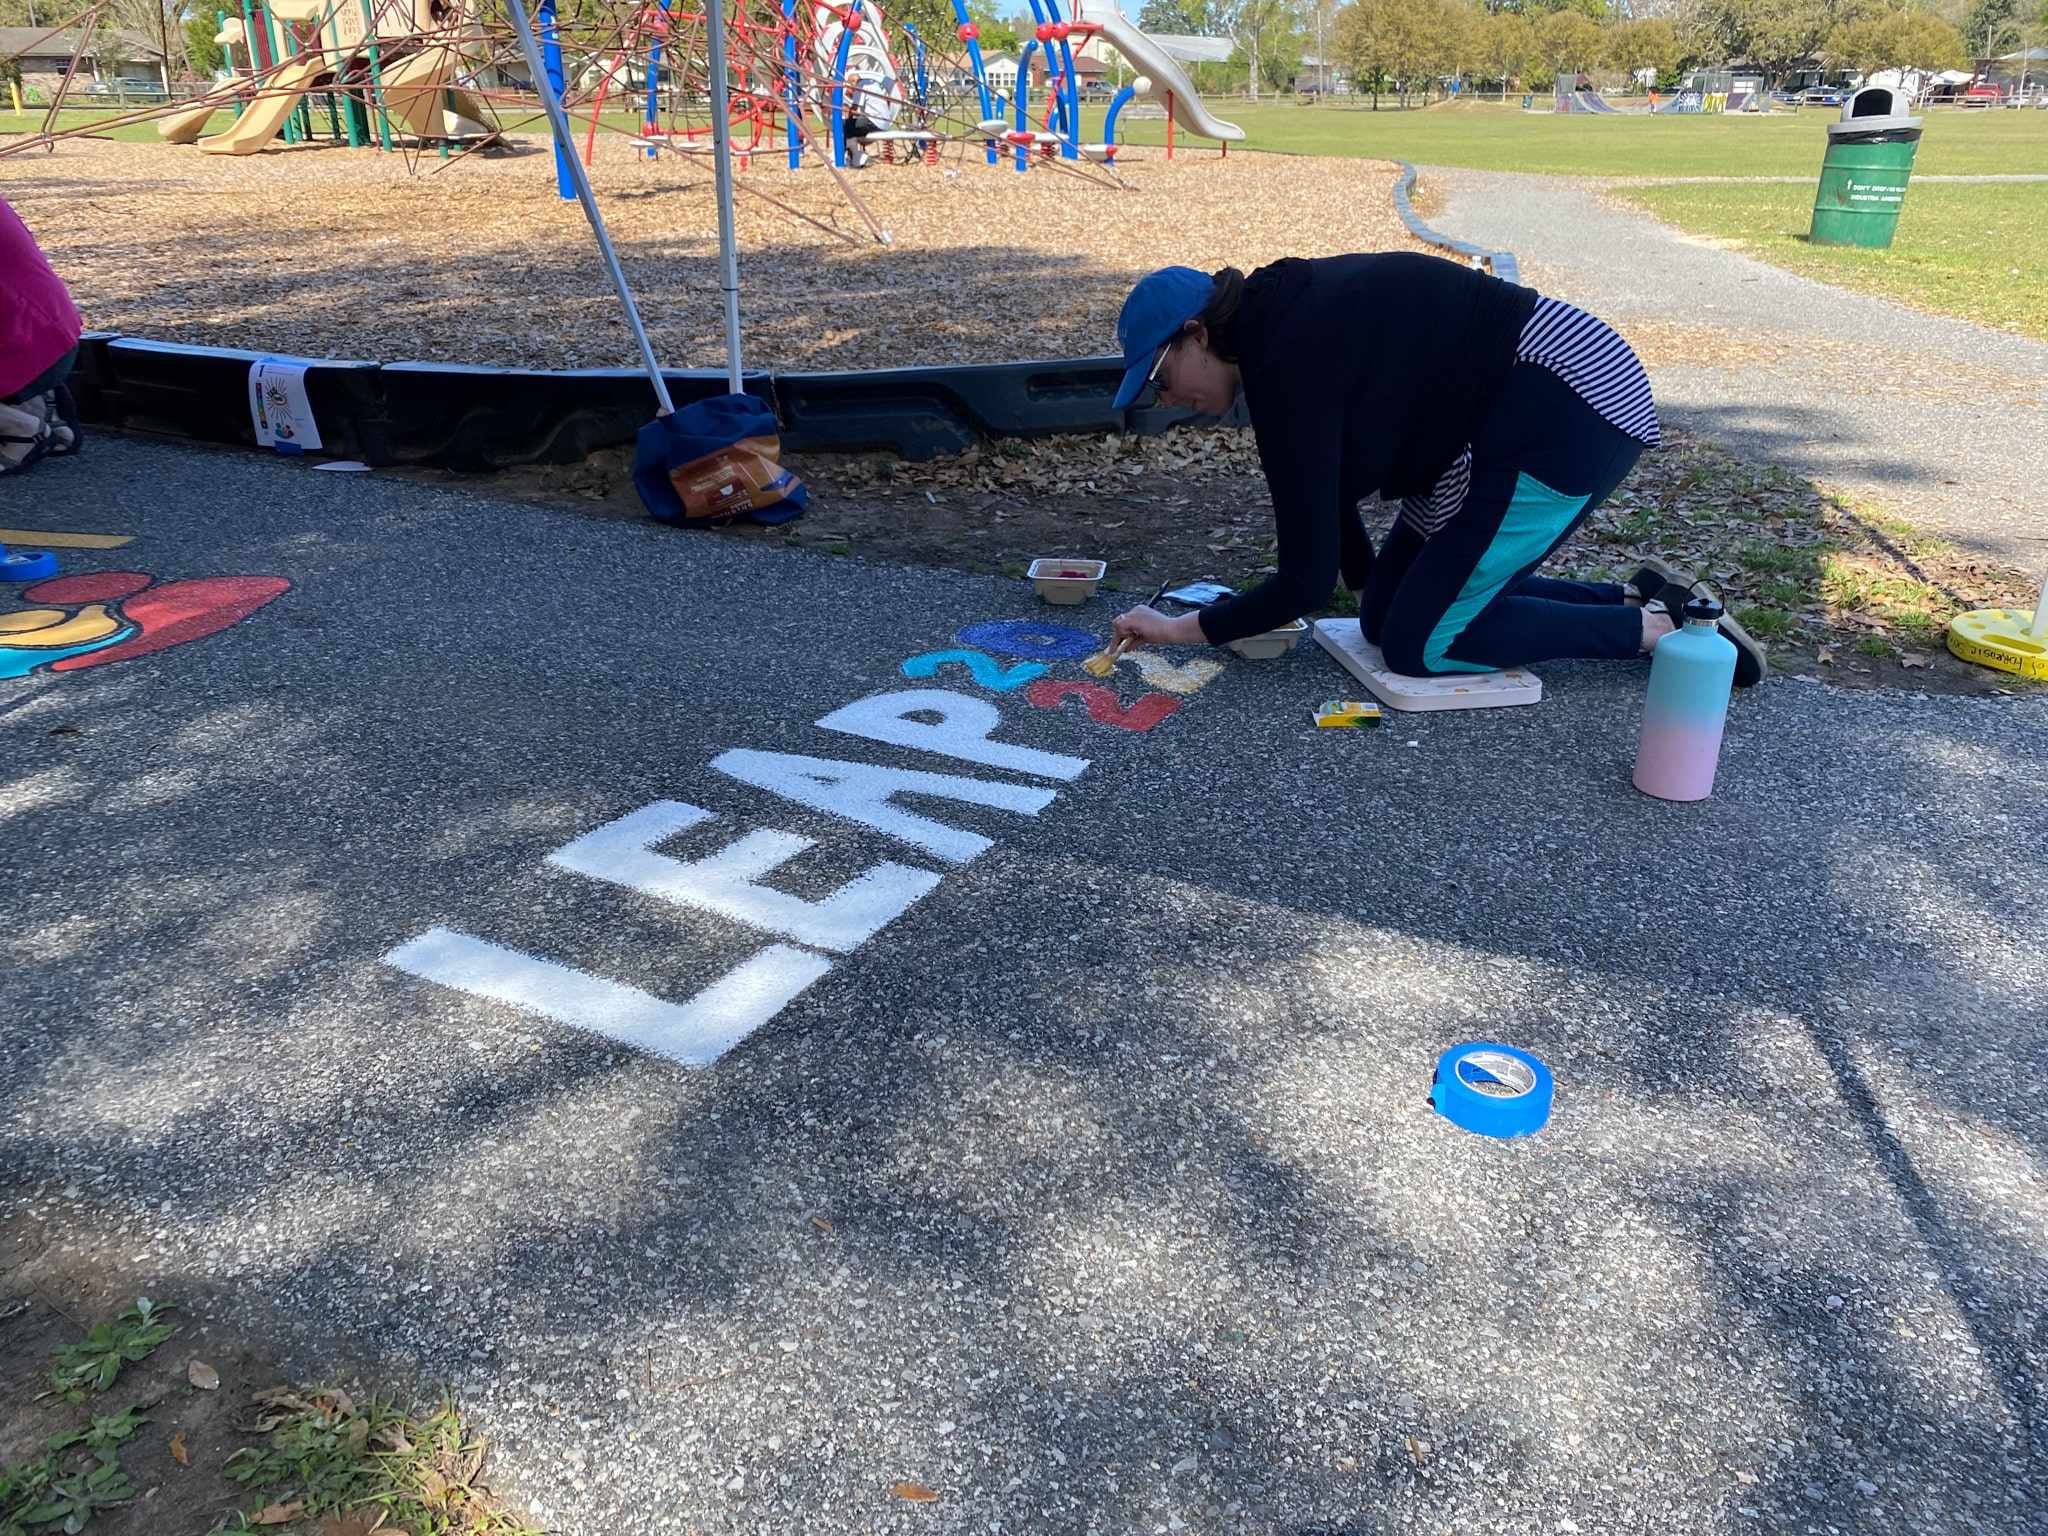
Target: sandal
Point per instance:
(1656, 575)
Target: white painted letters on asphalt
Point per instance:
(860, 792)
(622, 852)
(694, 1033)
(961, 731)
(697, 1032)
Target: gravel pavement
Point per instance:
(1097, 1190)
(1943, 420)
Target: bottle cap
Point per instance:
(1702, 610)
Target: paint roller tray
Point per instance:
(1066, 581)
(1272, 643)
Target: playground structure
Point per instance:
(388, 70)
(832, 79)
(839, 63)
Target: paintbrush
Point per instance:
(1104, 661)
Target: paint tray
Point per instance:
(1467, 690)
(1066, 581)
(1271, 643)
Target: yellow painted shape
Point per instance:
(28, 619)
(1158, 672)
(31, 539)
(91, 622)
(1998, 638)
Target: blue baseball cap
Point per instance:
(1160, 304)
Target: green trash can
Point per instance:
(1863, 179)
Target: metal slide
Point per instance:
(1165, 73)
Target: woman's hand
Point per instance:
(1148, 626)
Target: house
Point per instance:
(1089, 71)
(45, 58)
(1000, 70)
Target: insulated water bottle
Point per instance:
(1691, 673)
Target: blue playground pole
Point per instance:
(917, 39)
(1024, 104)
(989, 106)
(1069, 102)
(1115, 106)
(551, 60)
(792, 95)
(652, 120)
(839, 96)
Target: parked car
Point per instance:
(1820, 98)
(1982, 94)
(145, 92)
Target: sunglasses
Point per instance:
(1151, 388)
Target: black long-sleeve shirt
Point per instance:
(1361, 374)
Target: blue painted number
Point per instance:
(987, 671)
(1031, 639)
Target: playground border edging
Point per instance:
(1501, 264)
(465, 417)
(471, 418)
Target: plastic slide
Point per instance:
(260, 123)
(183, 127)
(419, 100)
(1165, 73)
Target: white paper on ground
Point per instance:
(279, 407)
(1467, 690)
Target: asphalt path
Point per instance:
(1944, 421)
(1095, 1188)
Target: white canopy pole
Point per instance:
(721, 152)
(559, 124)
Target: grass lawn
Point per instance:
(1979, 251)
(1485, 136)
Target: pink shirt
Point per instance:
(38, 321)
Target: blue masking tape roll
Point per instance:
(1492, 1090)
(29, 565)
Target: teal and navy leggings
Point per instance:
(1463, 600)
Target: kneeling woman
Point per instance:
(1497, 418)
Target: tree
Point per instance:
(1775, 35)
(998, 34)
(1318, 22)
(1992, 25)
(161, 21)
(1414, 46)
(206, 56)
(1505, 44)
(1255, 25)
(1454, 27)
(1901, 39)
(1186, 18)
(1569, 41)
(1362, 41)
(1651, 43)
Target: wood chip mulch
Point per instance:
(327, 251)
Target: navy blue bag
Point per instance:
(719, 458)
